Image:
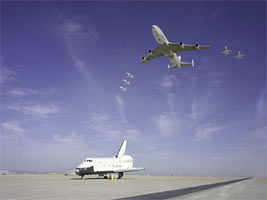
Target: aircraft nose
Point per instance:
(153, 26)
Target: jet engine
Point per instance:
(182, 45)
(197, 46)
(143, 58)
(149, 52)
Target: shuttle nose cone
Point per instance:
(153, 26)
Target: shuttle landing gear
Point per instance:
(82, 177)
(120, 175)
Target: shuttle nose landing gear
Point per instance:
(120, 175)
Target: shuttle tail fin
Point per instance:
(122, 149)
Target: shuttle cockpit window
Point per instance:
(89, 160)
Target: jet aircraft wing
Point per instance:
(185, 47)
(157, 52)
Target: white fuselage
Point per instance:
(162, 40)
(226, 52)
(239, 55)
(104, 165)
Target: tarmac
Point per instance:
(59, 187)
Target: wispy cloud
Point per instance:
(262, 102)
(20, 146)
(6, 74)
(12, 126)
(120, 103)
(216, 78)
(168, 82)
(195, 110)
(22, 92)
(79, 64)
(36, 109)
(219, 11)
(17, 92)
(216, 82)
(204, 106)
(207, 131)
(74, 28)
(98, 121)
(260, 133)
(68, 141)
(41, 110)
(107, 127)
(166, 124)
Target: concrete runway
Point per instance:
(59, 187)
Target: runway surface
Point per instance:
(59, 187)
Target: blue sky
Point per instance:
(62, 64)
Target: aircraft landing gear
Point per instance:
(82, 177)
(120, 175)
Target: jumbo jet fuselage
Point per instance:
(162, 40)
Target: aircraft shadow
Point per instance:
(180, 192)
(94, 178)
(97, 178)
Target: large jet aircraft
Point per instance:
(168, 49)
(226, 51)
(239, 55)
(103, 166)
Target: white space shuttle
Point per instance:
(126, 82)
(169, 49)
(226, 50)
(129, 75)
(102, 166)
(123, 89)
(181, 64)
(239, 55)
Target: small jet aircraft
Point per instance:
(102, 166)
(239, 55)
(123, 89)
(226, 50)
(168, 49)
(126, 82)
(129, 75)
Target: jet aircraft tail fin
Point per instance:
(122, 149)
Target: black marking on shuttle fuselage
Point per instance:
(90, 170)
(180, 192)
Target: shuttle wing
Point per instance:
(157, 52)
(129, 169)
(185, 47)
